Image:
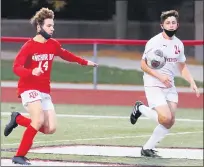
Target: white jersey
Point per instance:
(173, 49)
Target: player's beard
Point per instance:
(44, 34)
(170, 33)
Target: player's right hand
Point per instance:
(195, 89)
(37, 71)
(165, 80)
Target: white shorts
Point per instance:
(33, 95)
(157, 96)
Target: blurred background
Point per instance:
(105, 95)
(104, 19)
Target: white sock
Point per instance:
(148, 112)
(158, 134)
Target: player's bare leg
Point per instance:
(157, 134)
(50, 123)
(165, 119)
(162, 115)
(173, 107)
(37, 120)
(18, 119)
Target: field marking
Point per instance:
(103, 117)
(8, 162)
(115, 151)
(104, 138)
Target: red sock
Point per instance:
(24, 121)
(26, 141)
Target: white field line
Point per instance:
(102, 117)
(104, 138)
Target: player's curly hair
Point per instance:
(41, 15)
(166, 14)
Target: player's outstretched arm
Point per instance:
(68, 56)
(185, 73)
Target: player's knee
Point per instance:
(168, 123)
(168, 126)
(52, 130)
(37, 123)
(165, 121)
(172, 121)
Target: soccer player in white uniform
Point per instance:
(159, 85)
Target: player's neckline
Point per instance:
(40, 42)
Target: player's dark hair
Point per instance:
(166, 14)
(41, 15)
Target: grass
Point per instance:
(72, 73)
(73, 130)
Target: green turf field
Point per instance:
(108, 131)
(63, 72)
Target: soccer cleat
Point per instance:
(12, 124)
(136, 112)
(149, 153)
(20, 160)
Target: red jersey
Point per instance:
(35, 54)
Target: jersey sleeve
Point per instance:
(182, 57)
(68, 56)
(19, 62)
(148, 47)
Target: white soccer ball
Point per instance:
(155, 59)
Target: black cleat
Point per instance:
(149, 153)
(135, 113)
(20, 160)
(12, 124)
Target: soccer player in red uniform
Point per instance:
(33, 65)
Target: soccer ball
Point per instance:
(155, 59)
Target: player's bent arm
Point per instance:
(148, 70)
(19, 62)
(185, 73)
(150, 45)
(20, 71)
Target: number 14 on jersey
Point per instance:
(43, 65)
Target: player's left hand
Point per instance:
(195, 89)
(90, 63)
